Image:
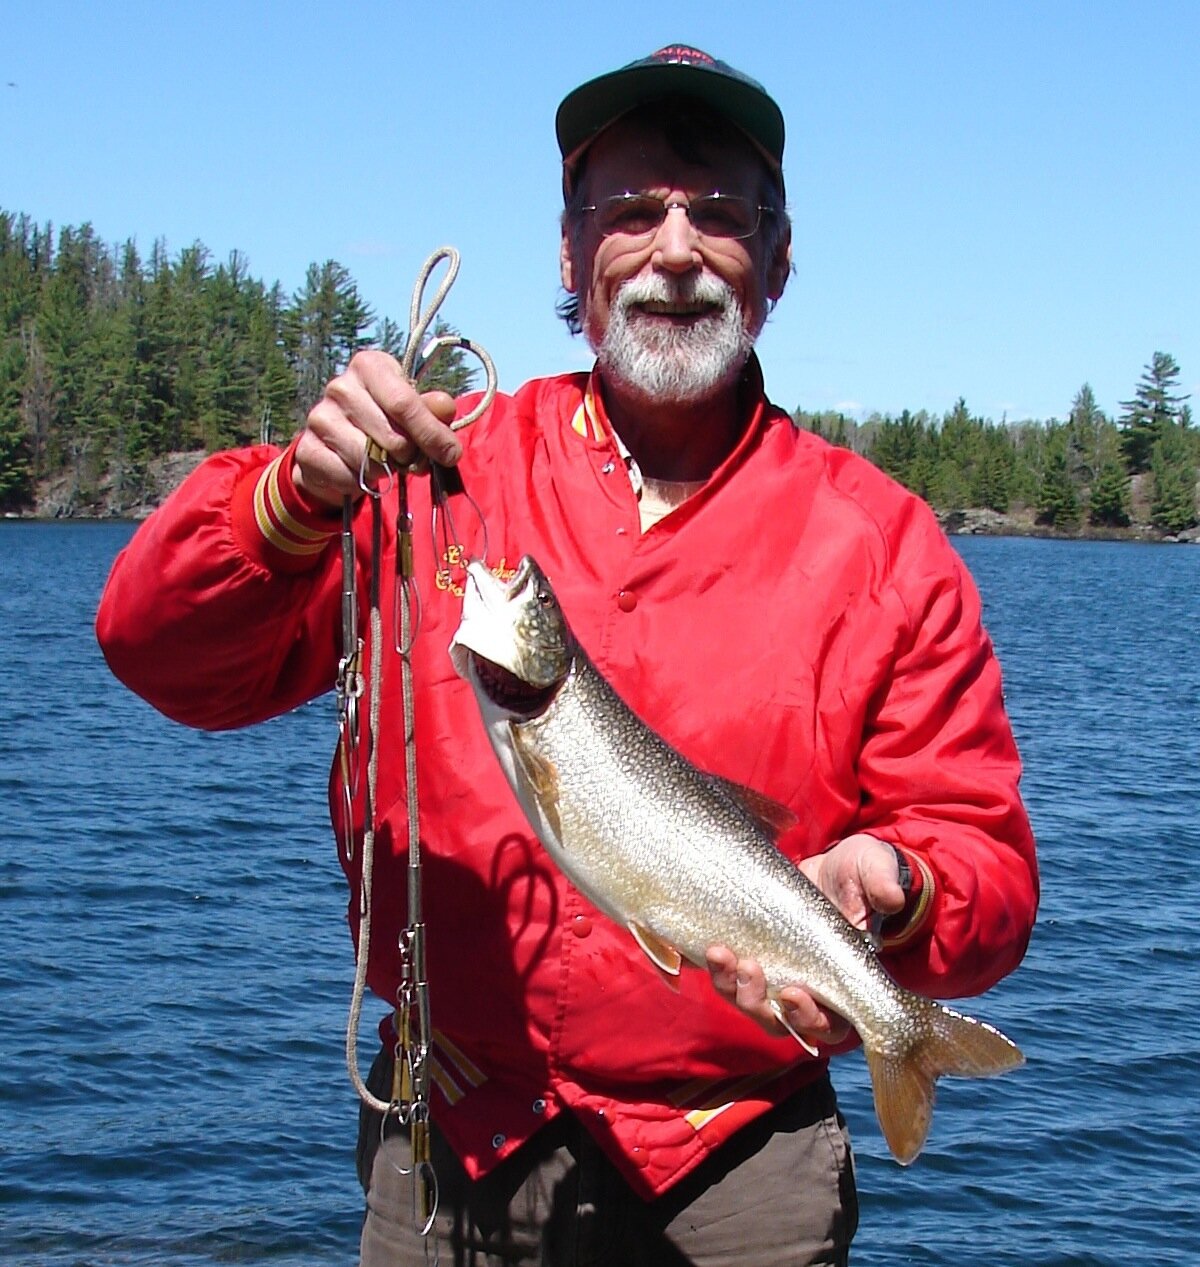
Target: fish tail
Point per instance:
(903, 1082)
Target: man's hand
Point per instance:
(371, 401)
(861, 876)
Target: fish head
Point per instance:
(513, 645)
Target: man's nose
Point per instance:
(676, 242)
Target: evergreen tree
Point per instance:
(390, 338)
(954, 477)
(1085, 427)
(1109, 500)
(992, 483)
(448, 369)
(1173, 480)
(1154, 408)
(16, 488)
(1058, 504)
(897, 444)
(324, 327)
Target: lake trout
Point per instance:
(684, 859)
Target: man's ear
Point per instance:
(566, 263)
(779, 267)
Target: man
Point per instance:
(777, 609)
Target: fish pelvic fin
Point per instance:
(950, 1044)
(660, 953)
(781, 1017)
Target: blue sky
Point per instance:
(993, 200)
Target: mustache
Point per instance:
(658, 288)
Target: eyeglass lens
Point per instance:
(714, 215)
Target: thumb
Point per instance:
(441, 405)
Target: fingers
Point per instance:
(809, 1019)
(741, 981)
(860, 875)
(371, 409)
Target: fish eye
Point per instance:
(545, 598)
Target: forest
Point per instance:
(110, 363)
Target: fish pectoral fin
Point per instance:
(541, 776)
(661, 953)
(540, 773)
(770, 815)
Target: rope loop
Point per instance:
(410, 1103)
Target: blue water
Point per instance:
(174, 968)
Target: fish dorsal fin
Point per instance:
(773, 817)
(662, 954)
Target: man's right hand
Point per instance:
(370, 401)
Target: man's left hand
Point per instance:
(861, 876)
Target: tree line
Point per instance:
(1070, 472)
(109, 361)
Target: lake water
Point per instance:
(174, 967)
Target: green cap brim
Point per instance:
(597, 104)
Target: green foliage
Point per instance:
(1065, 472)
(1109, 503)
(1152, 411)
(16, 485)
(108, 361)
(1058, 502)
(446, 370)
(323, 328)
(1173, 480)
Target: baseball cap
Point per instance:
(678, 70)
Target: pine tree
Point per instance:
(448, 370)
(324, 327)
(1058, 503)
(1109, 498)
(1085, 426)
(1173, 480)
(16, 487)
(897, 444)
(991, 485)
(1154, 408)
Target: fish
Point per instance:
(684, 859)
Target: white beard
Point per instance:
(675, 363)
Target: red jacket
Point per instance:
(800, 625)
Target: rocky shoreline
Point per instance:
(60, 499)
(1023, 523)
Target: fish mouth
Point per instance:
(508, 691)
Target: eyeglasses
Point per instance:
(712, 216)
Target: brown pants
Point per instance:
(780, 1193)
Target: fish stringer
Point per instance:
(408, 1106)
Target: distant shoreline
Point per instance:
(58, 501)
(955, 523)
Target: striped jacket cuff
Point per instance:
(276, 523)
(901, 929)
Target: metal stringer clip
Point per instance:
(410, 1077)
(350, 684)
(409, 1104)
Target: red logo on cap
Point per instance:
(681, 53)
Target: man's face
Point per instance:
(672, 315)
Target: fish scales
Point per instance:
(741, 891)
(681, 858)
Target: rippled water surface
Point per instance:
(174, 968)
